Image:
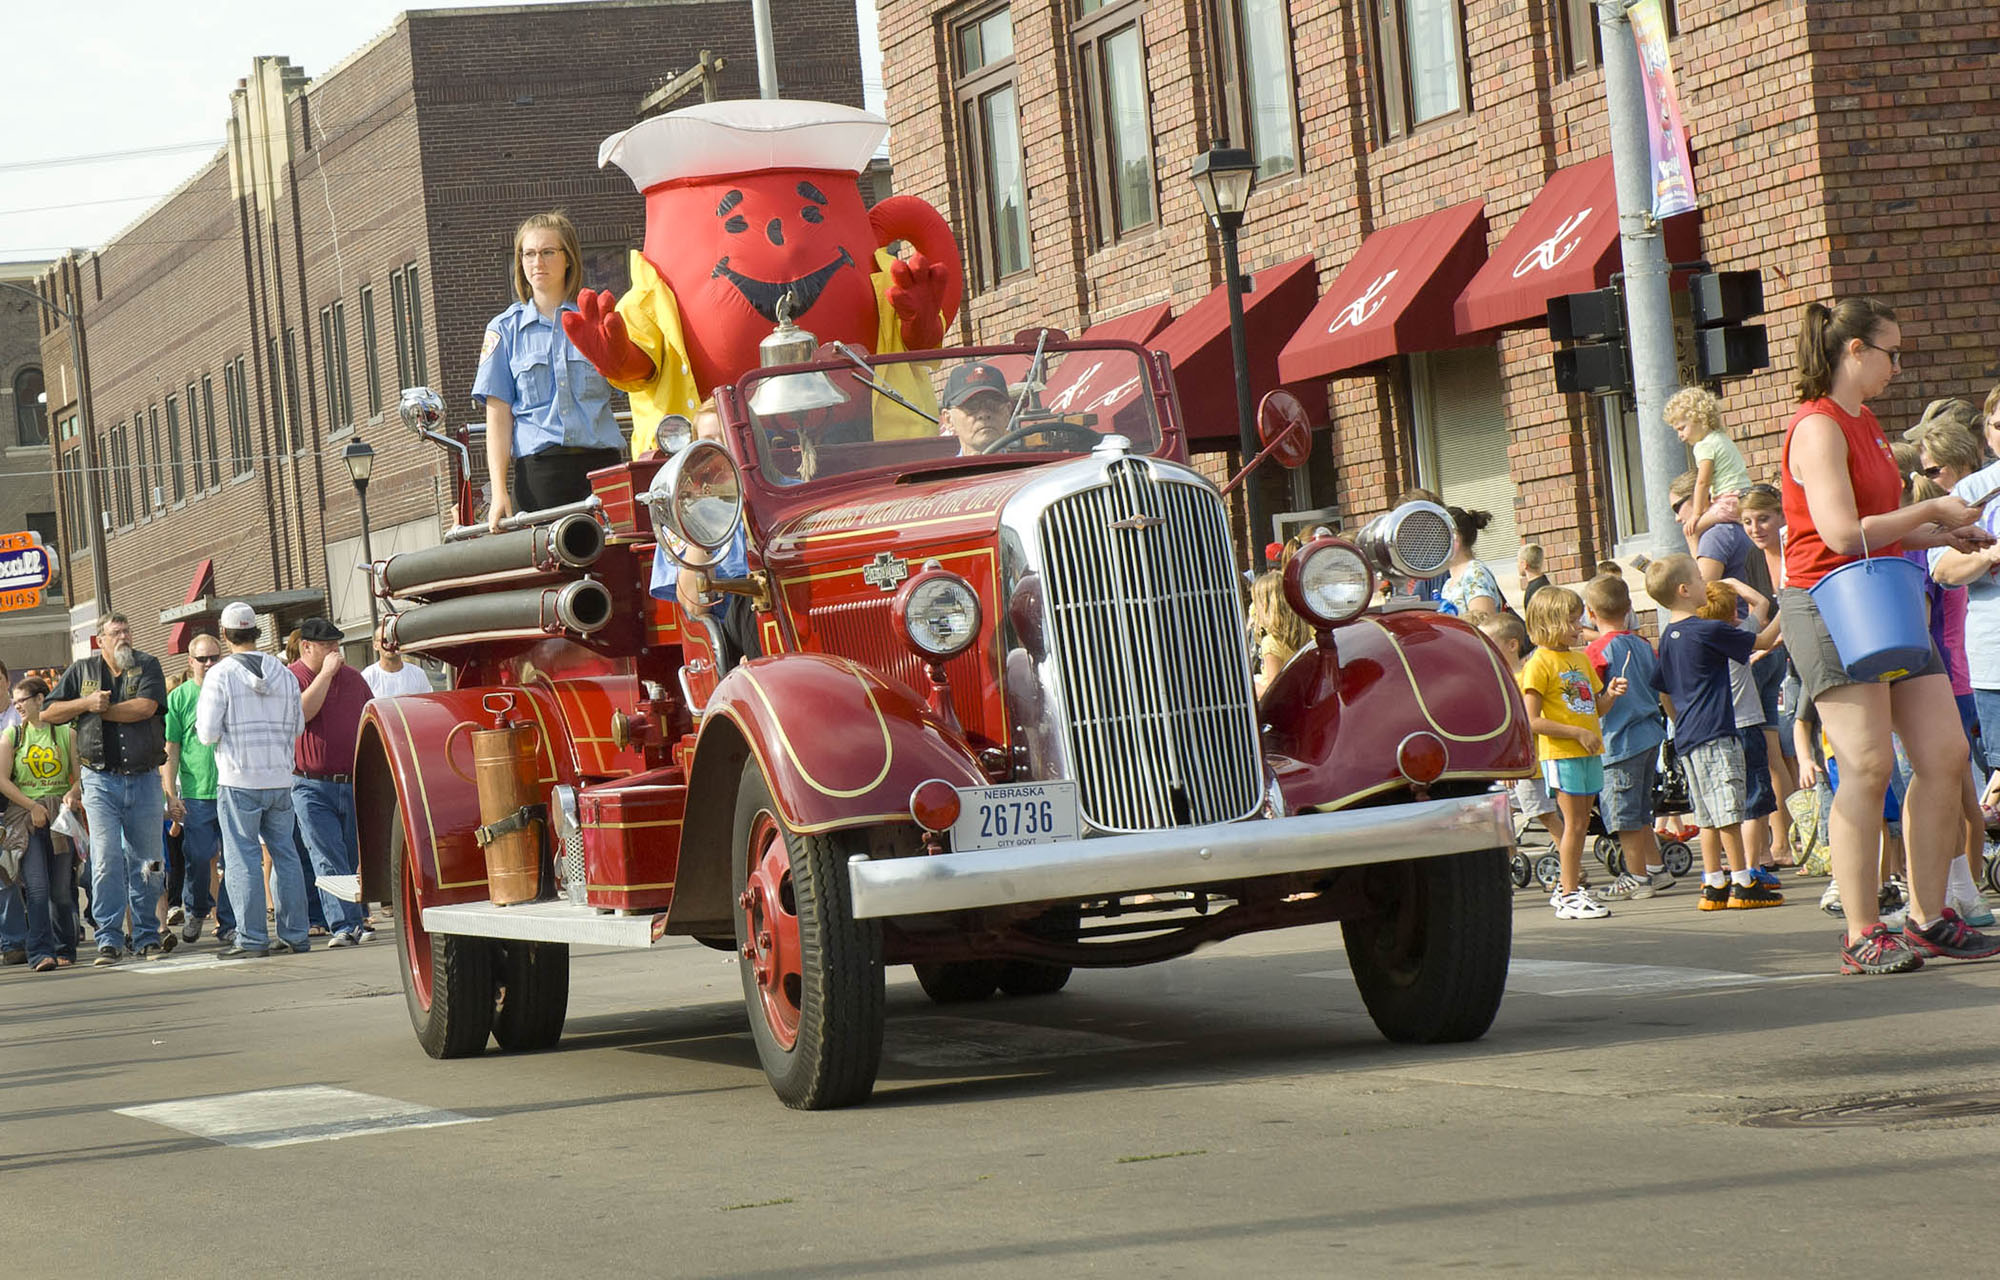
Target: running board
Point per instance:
(547, 922)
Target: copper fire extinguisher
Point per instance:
(506, 769)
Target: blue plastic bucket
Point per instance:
(1874, 610)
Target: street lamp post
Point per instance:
(100, 571)
(1224, 176)
(360, 461)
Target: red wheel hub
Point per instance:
(771, 930)
(416, 942)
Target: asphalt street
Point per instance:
(1666, 1092)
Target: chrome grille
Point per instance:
(1145, 632)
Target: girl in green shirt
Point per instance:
(37, 772)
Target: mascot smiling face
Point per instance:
(730, 247)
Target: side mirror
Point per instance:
(422, 409)
(1283, 428)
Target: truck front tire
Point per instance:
(534, 995)
(812, 973)
(1432, 964)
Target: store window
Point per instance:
(1461, 427)
(1117, 115)
(1259, 102)
(31, 411)
(1422, 62)
(1580, 41)
(990, 137)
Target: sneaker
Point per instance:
(1766, 877)
(243, 953)
(1579, 905)
(1893, 895)
(1829, 901)
(1714, 897)
(191, 931)
(367, 933)
(151, 951)
(1975, 913)
(175, 915)
(168, 940)
(1662, 879)
(342, 939)
(1626, 887)
(105, 955)
(1744, 897)
(1879, 951)
(280, 947)
(14, 955)
(1950, 937)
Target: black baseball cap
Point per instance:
(319, 631)
(968, 380)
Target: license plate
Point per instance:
(1016, 814)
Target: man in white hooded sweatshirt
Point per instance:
(250, 713)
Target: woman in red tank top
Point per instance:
(1841, 492)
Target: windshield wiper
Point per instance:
(867, 379)
(1034, 380)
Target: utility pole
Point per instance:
(767, 49)
(1649, 313)
(100, 570)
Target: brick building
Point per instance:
(28, 637)
(353, 237)
(1415, 155)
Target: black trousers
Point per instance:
(556, 477)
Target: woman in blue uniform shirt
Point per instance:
(548, 410)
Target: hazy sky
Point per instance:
(146, 85)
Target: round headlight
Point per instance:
(937, 612)
(674, 433)
(1329, 581)
(697, 496)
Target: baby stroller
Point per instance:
(1670, 795)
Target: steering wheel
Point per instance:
(1022, 432)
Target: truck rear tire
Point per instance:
(447, 981)
(812, 973)
(1432, 966)
(959, 981)
(534, 995)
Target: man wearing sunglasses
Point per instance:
(189, 779)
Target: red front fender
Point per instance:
(840, 746)
(1333, 733)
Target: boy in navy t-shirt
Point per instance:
(1633, 731)
(1695, 652)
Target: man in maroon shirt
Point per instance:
(333, 695)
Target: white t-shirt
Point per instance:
(408, 678)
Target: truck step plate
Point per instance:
(547, 922)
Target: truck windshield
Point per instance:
(858, 412)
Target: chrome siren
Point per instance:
(1413, 541)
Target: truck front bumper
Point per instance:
(1108, 866)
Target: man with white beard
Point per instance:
(117, 698)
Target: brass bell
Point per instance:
(793, 393)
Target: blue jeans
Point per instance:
(50, 885)
(326, 820)
(315, 913)
(1987, 701)
(249, 814)
(201, 840)
(13, 919)
(127, 813)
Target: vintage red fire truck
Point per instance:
(989, 714)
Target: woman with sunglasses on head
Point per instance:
(548, 410)
(1843, 501)
(38, 773)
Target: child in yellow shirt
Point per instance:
(1563, 698)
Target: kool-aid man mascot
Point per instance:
(747, 202)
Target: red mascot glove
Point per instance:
(598, 331)
(916, 291)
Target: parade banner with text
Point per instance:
(1672, 170)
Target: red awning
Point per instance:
(1566, 242)
(203, 584)
(1134, 326)
(1394, 295)
(1197, 345)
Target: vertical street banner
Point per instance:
(1672, 171)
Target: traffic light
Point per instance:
(1593, 326)
(1724, 346)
